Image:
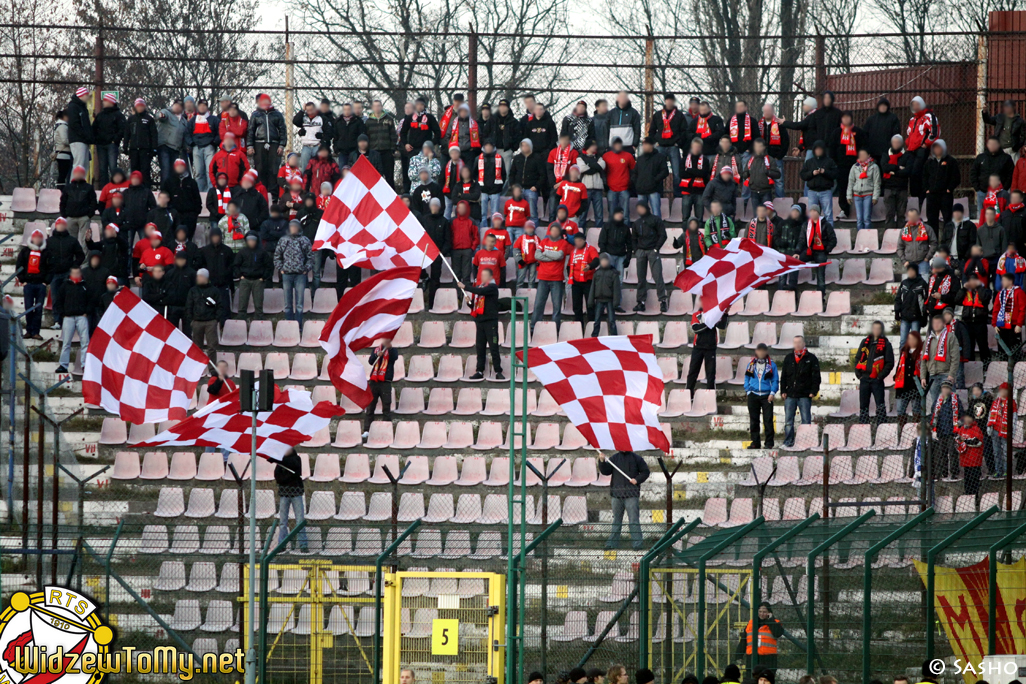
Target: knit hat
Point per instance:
(81, 91)
(60, 221)
(112, 279)
(156, 234)
(1003, 386)
(938, 262)
(919, 101)
(110, 97)
(727, 170)
(435, 202)
(37, 232)
(809, 102)
(263, 96)
(769, 205)
(815, 208)
(947, 383)
(137, 174)
(78, 169)
(203, 272)
(189, 98)
(534, 676)
(296, 221)
(645, 676)
(252, 175)
(796, 207)
(577, 673)
(114, 227)
(139, 101)
(252, 236)
(180, 162)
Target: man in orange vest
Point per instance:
(769, 630)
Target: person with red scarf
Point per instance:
(694, 176)
(772, 131)
(382, 361)
(992, 161)
(763, 227)
(708, 128)
(503, 240)
(233, 121)
(692, 241)
(895, 167)
(945, 411)
(560, 160)
(920, 133)
(584, 259)
(524, 249)
(864, 189)
(815, 243)
(490, 171)
(843, 145)
(941, 358)
(969, 443)
(999, 429)
(906, 372)
(551, 253)
(516, 212)
(668, 128)
(874, 360)
(703, 353)
(994, 196)
(1013, 220)
(417, 128)
(31, 272)
(799, 385)
(942, 286)
(464, 133)
(1012, 262)
(484, 309)
(941, 177)
(1009, 312)
(118, 182)
(974, 298)
(916, 243)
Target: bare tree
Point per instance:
(915, 20)
(836, 18)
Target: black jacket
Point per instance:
(416, 137)
(251, 204)
(381, 133)
(895, 176)
(909, 300)
(966, 237)
(193, 258)
(272, 230)
(219, 260)
(490, 293)
(870, 351)
(114, 254)
(528, 171)
(254, 264)
(706, 337)
(204, 303)
(393, 356)
(974, 315)
(166, 220)
(152, 292)
(141, 132)
(22, 264)
(290, 481)
(471, 194)
(266, 126)
(309, 219)
(185, 196)
(678, 128)
(62, 252)
(421, 196)
(941, 175)
(987, 164)
(177, 284)
(786, 239)
(1011, 131)
(649, 172)
(648, 232)
(493, 182)
(346, 133)
(95, 280)
(109, 126)
(78, 199)
(879, 129)
(818, 125)
(1014, 223)
(829, 238)
(630, 464)
(506, 131)
(800, 378)
(79, 128)
(839, 151)
(74, 298)
(541, 132)
(724, 192)
(710, 142)
(138, 202)
(439, 230)
(825, 180)
(605, 286)
(616, 239)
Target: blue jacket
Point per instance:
(765, 384)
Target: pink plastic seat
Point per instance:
(715, 512)
(668, 365)
(432, 334)
(737, 335)
(407, 435)
(474, 472)
(849, 405)
(811, 303)
(498, 474)
(418, 470)
(23, 200)
(464, 335)
(446, 302)
(997, 373)
(703, 404)
(286, 333)
(833, 434)
(787, 472)
(433, 435)
(843, 242)
(113, 431)
(881, 272)
(440, 401)
(304, 367)
(889, 243)
(274, 301)
(311, 334)
(318, 439)
(805, 437)
(788, 331)
(838, 304)
(422, 368)
(497, 404)
(675, 335)
(154, 466)
(572, 439)
(678, 403)
(211, 467)
(403, 336)
(445, 472)
(583, 473)
(546, 437)
(812, 471)
(126, 466)
(279, 363)
(547, 406)
(765, 333)
(468, 402)
(649, 328)
(489, 436)
(183, 466)
(756, 303)
(326, 468)
(867, 469)
(411, 401)
(250, 361)
(741, 512)
(233, 333)
(854, 272)
(866, 241)
(380, 435)
(348, 434)
(325, 300)
(570, 331)
(461, 436)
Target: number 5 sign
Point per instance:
(445, 637)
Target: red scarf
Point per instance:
(562, 162)
(1015, 207)
(899, 373)
(223, 198)
(235, 226)
(765, 158)
(998, 418)
(687, 247)
(753, 224)
(991, 199)
(448, 171)
(848, 140)
(702, 126)
(380, 366)
(693, 183)
(34, 261)
(799, 355)
(920, 236)
(733, 166)
(419, 121)
(774, 130)
(814, 237)
(878, 359)
(667, 131)
(864, 173)
(322, 201)
(892, 160)
(481, 167)
(734, 132)
(475, 135)
(945, 287)
(446, 118)
(972, 298)
(936, 409)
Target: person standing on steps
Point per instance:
(628, 471)
(704, 351)
(762, 382)
(289, 476)
(799, 384)
(382, 361)
(484, 309)
(874, 360)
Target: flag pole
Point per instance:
(603, 458)
(251, 654)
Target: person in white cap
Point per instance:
(80, 129)
(78, 204)
(108, 131)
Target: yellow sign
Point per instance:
(445, 637)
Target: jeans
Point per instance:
(527, 276)
(655, 203)
(617, 263)
(863, 211)
(825, 200)
(305, 155)
(447, 212)
(779, 185)
(490, 204)
(604, 309)
(746, 193)
(1000, 449)
(673, 153)
(294, 285)
(201, 157)
(70, 325)
(595, 198)
(805, 186)
(924, 270)
(106, 161)
(622, 200)
(980, 196)
(792, 404)
(761, 198)
(633, 520)
(166, 157)
(296, 502)
(532, 203)
(555, 289)
(934, 390)
(909, 398)
(906, 328)
(35, 294)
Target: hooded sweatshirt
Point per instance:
(879, 128)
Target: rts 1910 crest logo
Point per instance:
(54, 635)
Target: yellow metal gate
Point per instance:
(320, 622)
(448, 627)
(674, 618)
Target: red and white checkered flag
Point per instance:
(294, 420)
(139, 366)
(611, 388)
(726, 273)
(370, 311)
(367, 225)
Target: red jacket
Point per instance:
(238, 127)
(285, 174)
(553, 270)
(321, 171)
(572, 195)
(969, 443)
(618, 170)
(109, 190)
(1019, 175)
(516, 212)
(581, 259)
(465, 233)
(1018, 304)
(161, 255)
(922, 130)
(234, 163)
